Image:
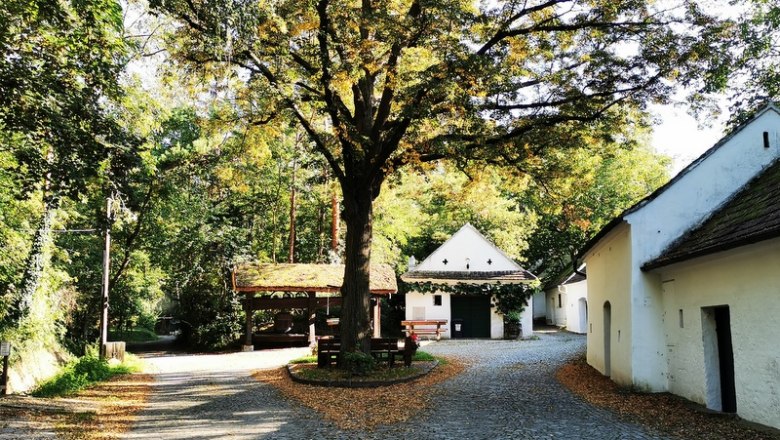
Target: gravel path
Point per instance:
(508, 391)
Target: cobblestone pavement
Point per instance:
(508, 391)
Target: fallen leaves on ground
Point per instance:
(662, 411)
(102, 411)
(364, 408)
(117, 401)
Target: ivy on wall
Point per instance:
(508, 299)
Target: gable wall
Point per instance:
(746, 279)
(686, 203)
(467, 243)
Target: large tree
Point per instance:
(60, 62)
(379, 84)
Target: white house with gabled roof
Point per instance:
(566, 300)
(467, 257)
(683, 286)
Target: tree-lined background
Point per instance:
(229, 130)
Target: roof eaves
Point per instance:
(653, 195)
(751, 239)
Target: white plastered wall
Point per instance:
(573, 293)
(556, 315)
(416, 300)
(746, 279)
(683, 205)
(539, 305)
(467, 244)
(609, 279)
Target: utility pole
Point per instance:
(106, 272)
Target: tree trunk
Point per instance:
(334, 223)
(291, 256)
(355, 320)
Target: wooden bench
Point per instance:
(382, 349)
(425, 327)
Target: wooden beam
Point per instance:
(312, 313)
(378, 318)
(250, 310)
(265, 303)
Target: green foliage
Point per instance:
(416, 212)
(305, 360)
(82, 373)
(506, 298)
(512, 317)
(379, 86)
(357, 363)
(749, 70)
(137, 334)
(421, 356)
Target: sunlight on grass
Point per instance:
(84, 372)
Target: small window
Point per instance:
(682, 322)
(437, 300)
(559, 301)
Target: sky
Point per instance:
(681, 137)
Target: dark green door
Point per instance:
(474, 311)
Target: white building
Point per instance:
(470, 258)
(540, 306)
(566, 302)
(683, 286)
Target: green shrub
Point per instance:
(358, 363)
(82, 373)
(305, 360)
(137, 334)
(423, 356)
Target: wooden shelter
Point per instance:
(321, 282)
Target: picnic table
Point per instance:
(424, 327)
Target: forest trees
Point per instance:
(379, 84)
(59, 68)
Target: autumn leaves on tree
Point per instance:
(377, 85)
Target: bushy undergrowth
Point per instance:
(138, 334)
(83, 372)
(305, 360)
(422, 356)
(358, 363)
(419, 356)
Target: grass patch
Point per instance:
(305, 360)
(423, 356)
(84, 372)
(138, 334)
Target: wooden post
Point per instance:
(312, 313)
(5, 352)
(249, 308)
(106, 272)
(378, 318)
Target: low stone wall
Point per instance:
(35, 365)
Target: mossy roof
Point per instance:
(269, 277)
(750, 216)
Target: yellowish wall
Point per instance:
(748, 281)
(609, 279)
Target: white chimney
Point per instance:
(412, 262)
